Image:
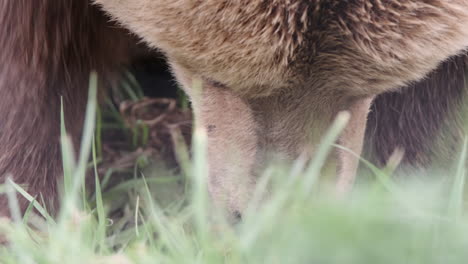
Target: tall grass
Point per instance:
(380, 222)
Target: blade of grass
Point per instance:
(137, 213)
(320, 156)
(167, 239)
(68, 155)
(456, 197)
(98, 133)
(79, 172)
(28, 211)
(101, 227)
(13, 203)
(199, 178)
(32, 200)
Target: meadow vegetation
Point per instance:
(152, 214)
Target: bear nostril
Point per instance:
(237, 216)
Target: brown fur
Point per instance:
(291, 65)
(276, 73)
(48, 50)
(415, 117)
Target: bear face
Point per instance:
(278, 71)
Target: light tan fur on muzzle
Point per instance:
(275, 70)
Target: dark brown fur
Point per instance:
(415, 117)
(48, 50)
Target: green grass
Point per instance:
(150, 218)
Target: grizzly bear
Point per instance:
(275, 74)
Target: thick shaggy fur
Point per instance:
(424, 119)
(275, 72)
(48, 50)
(260, 47)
